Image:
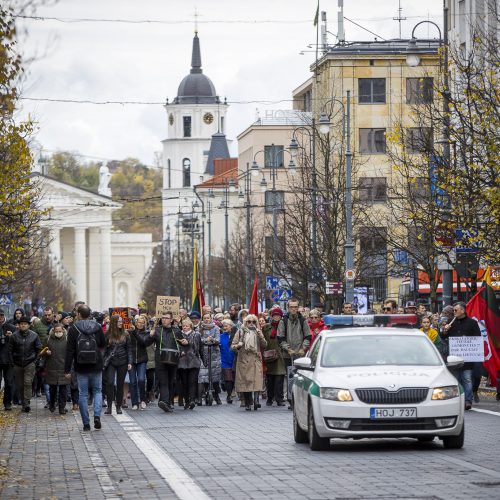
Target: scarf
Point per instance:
(249, 339)
(274, 328)
(208, 326)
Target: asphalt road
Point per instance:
(223, 452)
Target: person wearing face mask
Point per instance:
(55, 359)
(248, 342)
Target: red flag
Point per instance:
(254, 301)
(483, 307)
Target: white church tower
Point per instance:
(196, 118)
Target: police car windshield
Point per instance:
(379, 350)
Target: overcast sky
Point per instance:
(247, 60)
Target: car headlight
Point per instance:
(335, 394)
(448, 392)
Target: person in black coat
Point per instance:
(167, 339)
(6, 369)
(138, 337)
(117, 360)
(460, 326)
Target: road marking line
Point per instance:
(471, 466)
(100, 466)
(180, 482)
(490, 412)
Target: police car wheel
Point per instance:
(299, 435)
(316, 443)
(454, 442)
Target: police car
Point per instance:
(376, 382)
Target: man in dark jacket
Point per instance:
(6, 368)
(88, 367)
(461, 326)
(24, 346)
(166, 336)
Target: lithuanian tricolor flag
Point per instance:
(484, 308)
(197, 299)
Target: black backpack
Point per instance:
(86, 348)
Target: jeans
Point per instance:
(138, 383)
(466, 381)
(7, 372)
(88, 381)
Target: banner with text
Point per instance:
(124, 312)
(468, 348)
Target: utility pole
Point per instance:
(314, 222)
(248, 248)
(349, 245)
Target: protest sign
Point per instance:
(165, 304)
(124, 312)
(470, 349)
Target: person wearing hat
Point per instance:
(6, 370)
(24, 347)
(275, 375)
(195, 318)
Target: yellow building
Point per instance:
(384, 87)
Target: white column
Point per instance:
(55, 242)
(80, 264)
(95, 269)
(106, 278)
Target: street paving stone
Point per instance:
(231, 453)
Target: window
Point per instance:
(169, 173)
(419, 90)
(187, 126)
(274, 199)
(186, 172)
(314, 352)
(373, 250)
(372, 140)
(371, 90)
(372, 189)
(418, 139)
(274, 247)
(419, 188)
(273, 156)
(222, 124)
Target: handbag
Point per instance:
(41, 366)
(271, 355)
(108, 358)
(169, 356)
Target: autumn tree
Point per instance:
(20, 214)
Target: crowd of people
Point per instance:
(87, 358)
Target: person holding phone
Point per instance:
(247, 343)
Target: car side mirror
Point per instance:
(303, 364)
(454, 362)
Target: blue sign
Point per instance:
(441, 197)
(468, 234)
(5, 299)
(272, 282)
(281, 294)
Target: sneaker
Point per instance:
(143, 405)
(468, 405)
(164, 406)
(51, 408)
(27, 409)
(97, 422)
(269, 403)
(135, 407)
(191, 405)
(47, 406)
(476, 397)
(124, 405)
(86, 427)
(62, 411)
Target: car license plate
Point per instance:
(380, 413)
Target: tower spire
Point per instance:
(196, 55)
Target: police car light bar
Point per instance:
(333, 320)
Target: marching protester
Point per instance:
(6, 368)
(189, 363)
(463, 325)
(24, 347)
(248, 342)
(166, 338)
(316, 324)
(210, 341)
(55, 360)
(227, 358)
(273, 357)
(18, 314)
(294, 335)
(117, 361)
(85, 341)
(432, 333)
(138, 337)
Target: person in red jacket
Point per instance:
(316, 324)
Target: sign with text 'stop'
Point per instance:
(165, 304)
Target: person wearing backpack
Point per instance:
(85, 342)
(294, 336)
